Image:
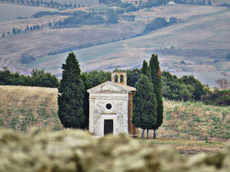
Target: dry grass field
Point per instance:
(22, 108)
(41, 42)
(179, 11)
(13, 11)
(189, 127)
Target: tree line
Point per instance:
(37, 78)
(186, 88)
(16, 31)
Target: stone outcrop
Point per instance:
(78, 151)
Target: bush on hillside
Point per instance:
(156, 24)
(228, 56)
(81, 19)
(217, 97)
(26, 58)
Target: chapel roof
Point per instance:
(110, 86)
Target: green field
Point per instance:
(13, 11)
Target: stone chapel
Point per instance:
(111, 107)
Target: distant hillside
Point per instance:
(200, 39)
(13, 11)
(202, 42)
(23, 23)
(24, 107)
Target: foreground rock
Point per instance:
(77, 151)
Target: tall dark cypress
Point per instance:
(144, 113)
(157, 85)
(145, 69)
(71, 94)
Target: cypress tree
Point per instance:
(71, 94)
(144, 113)
(145, 69)
(157, 85)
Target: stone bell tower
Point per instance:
(119, 77)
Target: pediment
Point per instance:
(108, 87)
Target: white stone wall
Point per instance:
(118, 113)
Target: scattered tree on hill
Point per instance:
(26, 58)
(157, 87)
(172, 20)
(112, 17)
(223, 83)
(198, 88)
(144, 113)
(228, 56)
(156, 24)
(209, 2)
(71, 95)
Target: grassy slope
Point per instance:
(24, 107)
(206, 35)
(195, 121)
(41, 42)
(7, 26)
(181, 12)
(12, 11)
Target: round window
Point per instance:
(108, 106)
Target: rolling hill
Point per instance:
(199, 42)
(200, 39)
(13, 11)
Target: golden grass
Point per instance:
(179, 11)
(24, 107)
(195, 121)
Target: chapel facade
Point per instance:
(111, 107)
